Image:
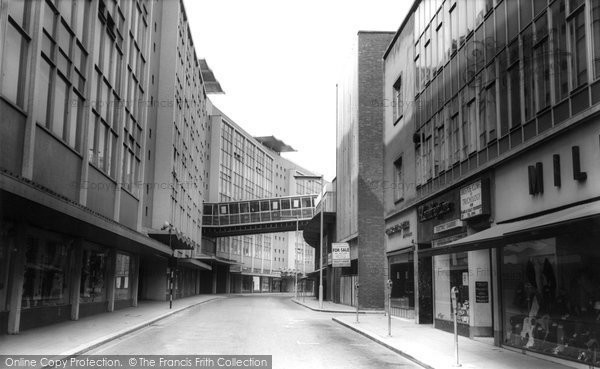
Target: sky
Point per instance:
(279, 61)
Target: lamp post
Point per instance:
(320, 178)
(169, 226)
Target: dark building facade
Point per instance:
(505, 133)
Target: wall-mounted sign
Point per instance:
(434, 210)
(465, 278)
(340, 254)
(482, 294)
(401, 227)
(446, 240)
(456, 223)
(474, 200)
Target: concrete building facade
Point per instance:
(253, 168)
(96, 157)
(399, 190)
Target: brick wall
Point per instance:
(371, 249)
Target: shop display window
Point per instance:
(451, 271)
(93, 276)
(46, 277)
(123, 277)
(551, 296)
(402, 277)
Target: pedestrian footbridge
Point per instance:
(271, 215)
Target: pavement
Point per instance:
(430, 347)
(74, 337)
(330, 307)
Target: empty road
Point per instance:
(258, 325)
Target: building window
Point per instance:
(14, 64)
(398, 99)
(46, 278)
(451, 271)
(561, 55)
(123, 277)
(14, 57)
(440, 149)
(529, 91)
(578, 48)
(503, 93)
(454, 139)
(487, 107)
(541, 69)
(427, 152)
(61, 74)
(93, 275)
(595, 10)
(469, 129)
(398, 180)
(553, 301)
(453, 29)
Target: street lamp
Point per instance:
(170, 227)
(320, 178)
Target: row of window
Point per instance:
(487, 90)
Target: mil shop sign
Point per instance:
(340, 254)
(434, 210)
(474, 199)
(402, 227)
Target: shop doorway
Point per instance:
(402, 275)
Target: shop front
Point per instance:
(442, 221)
(551, 295)
(400, 238)
(549, 223)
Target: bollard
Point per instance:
(454, 293)
(357, 285)
(389, 312)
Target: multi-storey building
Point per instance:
(72, 137)
(252, 168)
(178, 134)
(103, 140)
(505, 134)
(399, 191)
(359, 169)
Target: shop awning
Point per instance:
(215, 259)
(503, 233)
(194, 262)
(578, 213)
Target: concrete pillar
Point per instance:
(227, 280)
(76, 265)
(416, 281)
(135, 279)
(17, 274)
(198, 282)
(214, 280)
(110, 279)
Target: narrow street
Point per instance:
(259, 325)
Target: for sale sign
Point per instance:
(340, 254)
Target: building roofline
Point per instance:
(375, 32)
(413, 8)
